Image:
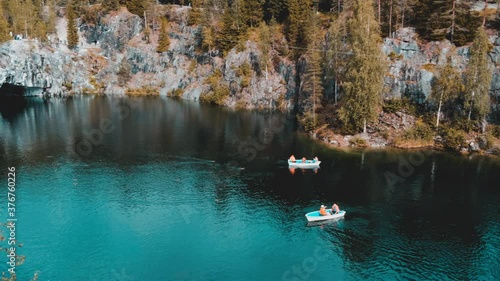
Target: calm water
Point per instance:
(155, 189)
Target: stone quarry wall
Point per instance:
(116, 41)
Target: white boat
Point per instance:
(315, 216)
(302, 164)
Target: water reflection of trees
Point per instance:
(153, 125)
(10, 107)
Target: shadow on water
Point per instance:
(11, 106)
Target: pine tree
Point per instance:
(152, 20)
(72, 31)
(337, 57)
(110, 5)
(35, 18)
(4, 26)
(365, 70)
(164, 40)
(293, 26)
(446, 88)
(52, 16)
(478, 77)
(124, 72)
(311, 86)
(275, 9)
(12, 8)
(22, 16)
(239, 16)
(137, 6)
(252, 10)
(394, 14)
(195, 13)
(264, 44)
(298, 18)
(208, 37)
(32, 19)
(454, 20)
(230, 31)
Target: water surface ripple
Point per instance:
(175, 191)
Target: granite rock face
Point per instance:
(40, 69)
(114, 57)
(112, 33)
(412, 65)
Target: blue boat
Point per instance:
(304, 164)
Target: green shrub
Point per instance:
(490, 141)
(454, 139)
(97, 87)
(68, 86)
(218, 92)
(177, 93)
(91, 15)
(392, 56)
(358, 141)
(431, 67)
(144, 91)
(280, 102)
(399, 105)
(245, 81)
(465, 125)
(495, 131)
(386, 134)
(241, 105)
(244, 70)
(194, 16)
(240, 47)
(420, 131)
(215, 78)
(192, 66)
(124, 72)
(308, 121)
(217, 96)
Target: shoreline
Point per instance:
(322, 135)
(406, 146)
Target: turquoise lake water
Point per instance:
(159, 189)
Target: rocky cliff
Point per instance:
(412, 65)
(115, 58)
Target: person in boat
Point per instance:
(292, 158)
(335, 209)
(322, 211)
(316, 159)
(303, 160)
